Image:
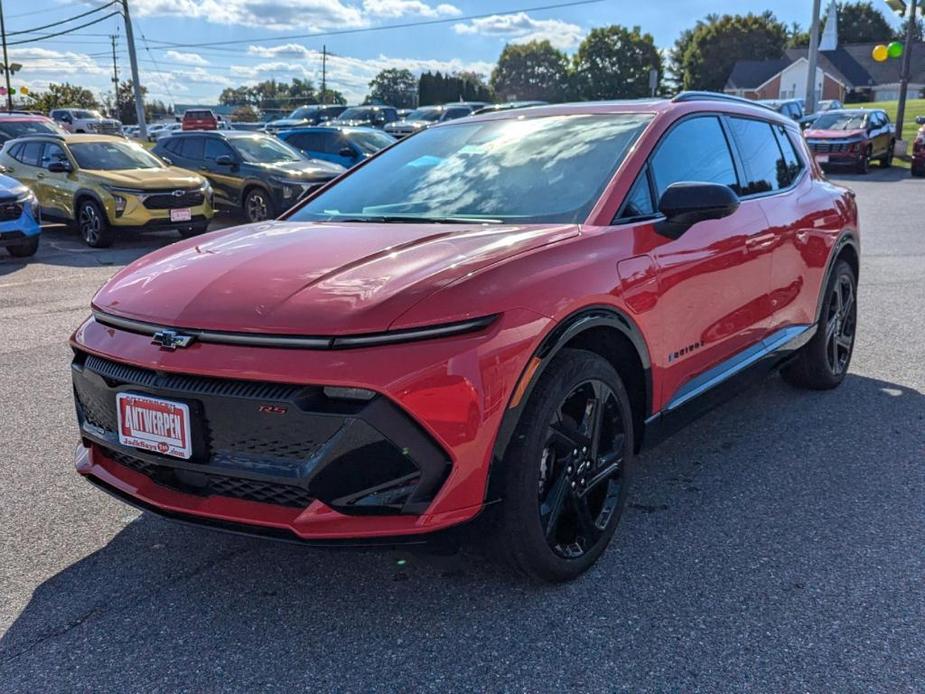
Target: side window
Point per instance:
(884, 118)
(16, 151)
(761, 155)
(454, 113)
(312, 142)
(32, 153)
(192, 148)
(215, 148)
(333, 143)
(638, 201)
(173, 145)
(695, 150)
(791, 161)
(53, 153)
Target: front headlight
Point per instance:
(28, 198)
(206, 187)
(291, 187)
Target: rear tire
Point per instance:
(918, 171)
(93, 225)
(822, 363)
(24, 249)
(886, 161)
(566, 474)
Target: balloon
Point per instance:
(23, 90)
(2, 91)
(880, 53)
(895, 49)
(12, 90)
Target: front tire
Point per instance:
(93, 225)
(918, 171)
(566, 474)
(886, 161)
(24, 249)
(258, 205)
(823, 362)
(863, 165)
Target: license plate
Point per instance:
(822, 158)
(155, 425)
(184, 214)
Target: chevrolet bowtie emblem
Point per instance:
(171, 339)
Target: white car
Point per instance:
(82, 120)
(168, 130)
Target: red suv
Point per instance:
(484, 322)
(200, 119)
(918, 149)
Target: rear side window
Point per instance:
(307, 141)
(765, 168)
(32, 153)
(173, 145)
(792, 160)
(192, 148)
(16, 151)
(694, 150)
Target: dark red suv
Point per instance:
(482, 323)
(199, 119)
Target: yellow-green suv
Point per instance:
(103, 183)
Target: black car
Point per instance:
(305, 115)
(256, 173)
(371, 116)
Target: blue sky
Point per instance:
(192, 72)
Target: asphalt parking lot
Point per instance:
(776, 545)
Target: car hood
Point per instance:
(310, 278)
(309, 169)
(171, 177)
(10, 187)
(833, 134)
(287, 123)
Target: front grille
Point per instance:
(208, 484)
(357, 456)
(169, 201)
(825, 147)
(10, 211)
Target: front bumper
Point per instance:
(412, 460)
(15, 231)
(136, 214)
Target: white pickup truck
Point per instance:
(81, 120)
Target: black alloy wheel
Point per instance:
(565, 477)
(841, 320)
(580, 476)
(93, 225)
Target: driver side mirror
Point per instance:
(686, 204)
(59, 166)
(224, 160)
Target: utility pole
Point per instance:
(6, 63)
(324, 74)
(115, 75)
(136, 82)
(905, 69)
(813, 59)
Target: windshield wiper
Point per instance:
(410, 219)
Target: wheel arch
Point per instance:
(846, 248)
(604, 330)
(87, 193)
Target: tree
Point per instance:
(861, 22)
(331, 96)
(614, 63)
(714, 45)
(533, 70)
(436, 88)
(797, 36)
(396, 87)
(245, 113)
(918, 31)
(61, 96)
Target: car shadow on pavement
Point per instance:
(773, 525)
(876, 174)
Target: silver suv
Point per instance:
(82, 120)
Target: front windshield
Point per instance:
(265, 150)
(428, 114)
(839, 121)
(13, 129)
(537, 170)
(303, 112)
(371, 142)
(113, 156)
(362, 114)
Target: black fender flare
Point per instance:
(847, 238)
(87, 193)
(573, 325)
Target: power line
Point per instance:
(54, 8)
(66, 31)
(35, 30)
(386, 27)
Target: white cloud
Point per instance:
(312, 15)
(400, 8)
(43, 60)
(186, 58)
(521, 27)
(287, 50)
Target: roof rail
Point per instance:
(716, 96)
